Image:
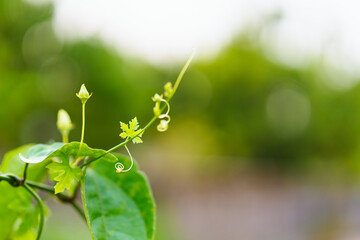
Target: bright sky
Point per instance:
(164, 30)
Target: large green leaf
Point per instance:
(61, 170)
(118, 205)
(13, 164)
(40, 152)
(18, 216)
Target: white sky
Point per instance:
(164, 30)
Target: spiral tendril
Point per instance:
(120, 167)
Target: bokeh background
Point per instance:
(264, 139)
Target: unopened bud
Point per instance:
(156, 109)
(64, 123)
(168, 89)
(83, 94)
(157, 97)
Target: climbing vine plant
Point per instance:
(117, 201)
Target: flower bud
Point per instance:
(64, 123)
(156, 109)
(83, 94)
(157, 97)
(168, 89)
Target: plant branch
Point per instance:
(177, 83)
(25, 172)
(78, 208)
(15, 181)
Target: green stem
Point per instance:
(78, 208)
(61, 196)
(83, 126)
(41, 208)
(25, 171)
(65, 138)
(181, 75)
(177, 83)
(121, 144)
(15, 181)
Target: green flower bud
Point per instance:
(64, 124)
(83, 94)
(157, 97)
(168, 89)
(157, 110)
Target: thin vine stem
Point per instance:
(25, 171)
(176, 85)
(65, 138)
(79, 209)
(83, 126)
(41, 208)
(63, 197)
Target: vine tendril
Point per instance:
(120, 167)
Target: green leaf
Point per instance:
(13, 164)
(118, 206)
(19, 216)
(72, 149)
(131, 130)
(63, 172)
(13, 223)
(40, 152)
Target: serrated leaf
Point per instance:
(137, 140)
(124, 127)
(118, 206)
(64, 174)
(131, 130)
(134, 124)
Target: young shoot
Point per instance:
(131, 131)
(83, 95)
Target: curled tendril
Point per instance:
(161, 116)
(120, 167)
(165, 118)
(164, 123)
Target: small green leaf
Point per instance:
(133, 124)
(64, 174)
(131, 130)
(118, 206)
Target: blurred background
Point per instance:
(264, 140)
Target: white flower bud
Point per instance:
(83, 94)
(64, 123)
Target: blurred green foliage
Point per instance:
(239, 105)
